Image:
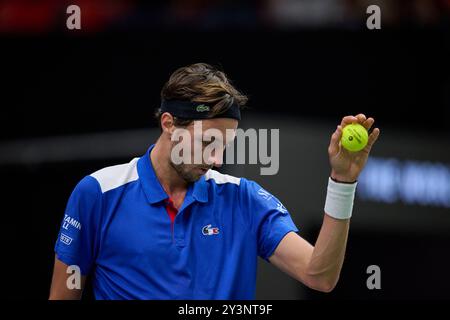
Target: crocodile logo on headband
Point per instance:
(202, 108)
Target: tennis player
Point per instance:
(154, 229)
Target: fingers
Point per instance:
(368, 123)
(348, 120)
(360, 118)
(373, 137)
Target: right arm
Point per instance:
(76, 244)
(59, 289)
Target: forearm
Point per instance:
(328, 255)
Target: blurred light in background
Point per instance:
(36, 17)
(412, 182)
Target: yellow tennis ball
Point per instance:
(354, 137)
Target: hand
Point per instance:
(346, 165)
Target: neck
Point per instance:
(170, 180)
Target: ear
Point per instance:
(167, 123)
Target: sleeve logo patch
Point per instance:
(263, 193)
(69, 221)
(281, 208)
(65, 239)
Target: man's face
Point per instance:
(208, 139)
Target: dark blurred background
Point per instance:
(74, 101)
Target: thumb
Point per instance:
(334, 147)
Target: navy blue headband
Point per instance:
(197, 110)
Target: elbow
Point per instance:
(326, 287)
(322, 283)
(322, 286)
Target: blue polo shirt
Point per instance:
(116, 228)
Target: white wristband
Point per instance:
(339, 201)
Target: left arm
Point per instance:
(319, 266)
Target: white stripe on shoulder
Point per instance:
(115, 176)
(220, 178)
